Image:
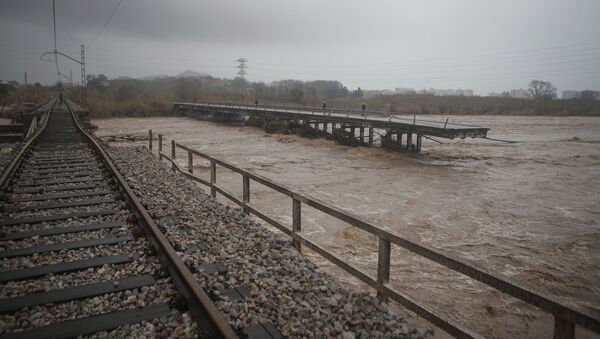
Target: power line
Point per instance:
(482, 68)
(495, 55)
(466, 62)
(471, 60)
(562, 72)
(588, 58)
(105, 24)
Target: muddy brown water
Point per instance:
(528, 210)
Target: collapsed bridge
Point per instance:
(354, 127)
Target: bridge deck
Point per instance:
(374, 119)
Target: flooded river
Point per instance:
(528, 210)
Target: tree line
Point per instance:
(153, 96)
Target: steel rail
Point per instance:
(16, 161)
(204, 310)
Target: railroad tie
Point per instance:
(262, 331)
(56, 217)
(75, 293)
(235, 293)
(71, 245)
(45, 232)
(65, 267)
(88, 325)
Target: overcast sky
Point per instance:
(484, 45)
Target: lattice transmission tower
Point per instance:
(242, 67)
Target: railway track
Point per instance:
(81, 256)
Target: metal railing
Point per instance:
(566, 317)
(404, 118)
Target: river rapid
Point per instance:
(528, 210)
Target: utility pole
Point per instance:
(242, 73)
(25, 78)
(83, 80)
(55, 51)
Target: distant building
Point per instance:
(569, 94)
(519, 93)
(589, 95)
(448, 92)
(585, 94)
(504, 94)
(400, 90)
(8, 84)
(464, 92)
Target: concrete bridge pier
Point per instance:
(362, 135)
(396, 140)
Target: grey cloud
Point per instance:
(480, 44)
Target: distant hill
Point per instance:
(154, 77)
(191, 74)
(186, 74)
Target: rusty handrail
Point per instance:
(314, 109)
(565, 316)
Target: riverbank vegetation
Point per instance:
(153, 96)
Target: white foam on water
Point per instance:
(528, 210)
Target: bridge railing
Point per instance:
(410, 118)
(566, 317)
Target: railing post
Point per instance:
(150, 140)
(173, 167)
(213, 178)
(296, 222)
(563, 329)
(190, 162)
(246, 192)
(383, 266)
(160, 147)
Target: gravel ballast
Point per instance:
(7, 153)
(60, 260)
(285, 288)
